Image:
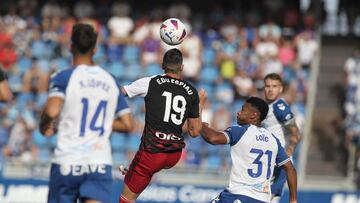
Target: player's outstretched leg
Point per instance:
(128, 196)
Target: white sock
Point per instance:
(275, 199)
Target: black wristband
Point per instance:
(3, 75)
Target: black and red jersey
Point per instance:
(169, 102)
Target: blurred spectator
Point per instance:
(191, 48)
(120, 23)
(35, 80)
(243, 84)
(306, 49)
(266, 48)
(150, 50)
(51, 9)
(8, 55)
(270, 30)
(20, 140)
(83, 9)
(228, 49)
(179, 10)
(271, 65)
(287, 54)
(222, 120)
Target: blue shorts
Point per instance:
(279, 181)
(225, 196)
(67, 184)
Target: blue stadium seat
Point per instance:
(194, 144)
(209, 74)
(41, 100)
(62, 63)
(237, 105)
(100, 54)
(213, 162)
(39, 49)
(134, 142)
(4, 136)
(119, 158)
(131, 54)
(212, 149)
(44, 155)
(224, 92)
(118, 142)
(208, 56)
(192, 159)
(39, 140)
(24, 64)
(133, 71)
(153, 69)
(44, 65)
(209, 88)
(117, 69)
(22, 99)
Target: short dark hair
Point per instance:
(260, 105)
(172, 60)
(274, 76)
(83, 38)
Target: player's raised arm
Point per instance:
(291, 180)
(212, 136)
(194, 124)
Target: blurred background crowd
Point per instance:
(229, 48)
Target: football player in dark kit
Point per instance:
(169, 102)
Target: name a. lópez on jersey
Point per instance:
(93, 83)
(176, 82)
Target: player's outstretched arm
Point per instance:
(291, 180)
(212, 136)
(294, 137)
(123, 123)
(49, 115)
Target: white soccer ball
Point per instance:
(172, 31)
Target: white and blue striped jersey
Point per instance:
(278, 116)
(92, 100)
(254, 153)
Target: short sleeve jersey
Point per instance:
(254, 154)
(169, 102)
(92, 100)
(279, 115)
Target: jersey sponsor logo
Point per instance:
(79, 170)
(164, 136)
(281, 106)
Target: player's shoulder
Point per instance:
(281, 105)
(239, 128)
(61, 76)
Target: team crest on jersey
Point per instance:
(288, 117)
(281, 106)
(237, 201)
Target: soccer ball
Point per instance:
(172, 31)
